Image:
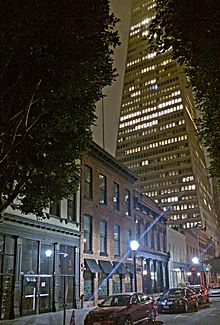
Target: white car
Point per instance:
(214, 291)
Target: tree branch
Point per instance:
(31, 102)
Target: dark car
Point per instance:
(202, 293)
(177, 300)
(124, 308)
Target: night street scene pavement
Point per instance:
(208, 314)
(109, 162)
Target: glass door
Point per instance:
(45, 293)
(29, 293)
(37, 293)
(37, 277)
(45, 283)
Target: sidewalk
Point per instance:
(52, 318)
(49, 318)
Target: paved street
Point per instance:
(207, 315)
(49, 319)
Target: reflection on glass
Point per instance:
(46, 259)
(29, 256)
(116, 283)
(88, 285)
(127, 283)
(103, 285)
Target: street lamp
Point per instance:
(48, 252)
(134, 245)
(195, 260)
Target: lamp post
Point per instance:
(195, 261)
(134, 245)
(201, 272)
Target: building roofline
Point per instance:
(100, 153)
(148, 201)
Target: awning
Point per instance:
(130, 268)
(119, 267)
(93, 266)
(196, 268)
(106, 266)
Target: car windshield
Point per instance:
(216, 288)
(122, 300)
(174, 293)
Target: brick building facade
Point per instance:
(79, 252)
(113, 214)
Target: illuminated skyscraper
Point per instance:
(157, 134)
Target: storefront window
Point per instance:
(116, 283)
(103, 285)
(9, 245)
(128, 281)
(7, 253)
(46, 259)
(37, 266)
(66, 268)
(8, 264)
(29, 256)
(66, 256)
(69, 291)
(88, 285)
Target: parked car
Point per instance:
(214, 291)
(123, 309)
(177, 300)
(202, 292)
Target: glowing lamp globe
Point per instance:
(195, 260)
(134, 245)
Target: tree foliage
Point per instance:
(192, 29)
(55, 58)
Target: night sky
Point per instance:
(122, 9)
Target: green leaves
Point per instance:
(54, 62)
(192, 29)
